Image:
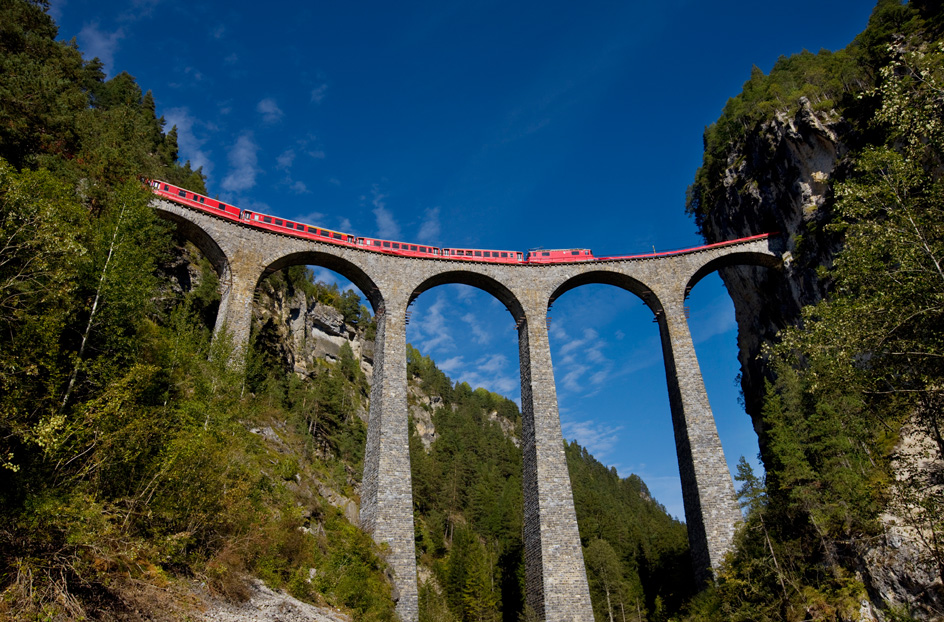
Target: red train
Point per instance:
(298, 229)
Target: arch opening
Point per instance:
(199, 237)
(464, 450)
(611, 388)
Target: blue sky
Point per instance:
(486, 124)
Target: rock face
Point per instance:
(777, 181)
(780, 179)
(304, 332)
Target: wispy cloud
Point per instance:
(598, 438)
(219, 31)
(270, 111)
(387, 227)
(101, 44)
(189, 146)
(285, 159)
(430, 228)
(243, 164)
(432, 328)
(318, 93)
(299, 187)
(345, 225)
(231, 59)
(479, 334)
(490, 371)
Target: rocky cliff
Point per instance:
(773, 164)
(778, 181)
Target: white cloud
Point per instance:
(100, 44)
(189, 146)
(270, 111)
(598, 438)
(318, 93)
(451, 365)
(231, 59)
(431, 328)
(323, 275)
(311, 218)
(387, 227)
(317, 154)
(430, 228)
(285, 159)
(243, 164)
(346, 226)
(479, 334)
(219, 31)
(299, 187)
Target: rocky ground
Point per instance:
(266, 605)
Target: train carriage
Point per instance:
(398, 248)
(290, 227)
(475, 254)
(192, 199)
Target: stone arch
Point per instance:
(730, 259)
(346, 268)
(610, 277)
(200, 237)
(479, 280)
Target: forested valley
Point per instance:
(141, 472)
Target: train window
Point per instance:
(201, 199)
(337, 236)
(311, 229)
(395, 245)
(436, 251)
(386, 244)
(166, 188)
(545, 254)
(412, 247)
(267, 219)
(574, 252)
(504, 255)
(182, 193)
(278, 222)
(221, 205)
(478, 253)
(350, 238)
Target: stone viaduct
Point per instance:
(556, 583)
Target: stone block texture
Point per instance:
(556, 581)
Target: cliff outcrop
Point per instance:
(806, 152)
(778, 181)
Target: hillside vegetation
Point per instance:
(851, 422)
(138, 467)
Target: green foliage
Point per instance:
(865, 367)
(830, 81)
(125, 451)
